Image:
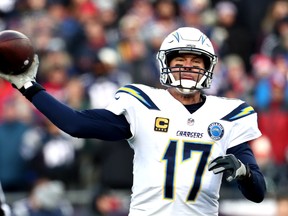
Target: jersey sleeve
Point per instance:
(120, 106)
(94, 123)
(129, 100)
(245, 125)
(117, 107)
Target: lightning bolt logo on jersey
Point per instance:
(173, 147)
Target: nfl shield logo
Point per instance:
(190, 121)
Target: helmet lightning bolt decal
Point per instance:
(202, 38)
(177, 36)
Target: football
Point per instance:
(16, 52)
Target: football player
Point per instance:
(184, 141)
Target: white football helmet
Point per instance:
(186, 40)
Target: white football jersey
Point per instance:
(173, 148)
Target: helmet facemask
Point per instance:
(183, 84)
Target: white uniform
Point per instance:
(173, 147)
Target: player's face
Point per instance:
(187, 66)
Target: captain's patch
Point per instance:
(161, 124)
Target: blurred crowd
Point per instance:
(89, 48)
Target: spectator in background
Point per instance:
(269, 34)
(67, 29)
(271, 99)
(106, 202)
(262, 69)
(55, 72)
(144, 11)
(45, 199)
(276, 11)
(274, 124)
(52, 154)
(13, 167)
(108, 15)
(238, 83)
(228, 35)
(95, 39)
(166, 15)
(84, 10)
(275, 42)
(197, 13)
(74, 94)
(132, 48)
(105, 78)
(111, 194)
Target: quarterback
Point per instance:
(184, 141)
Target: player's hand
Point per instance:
(229, 165)
(28, 76)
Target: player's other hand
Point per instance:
(28, 76)
(230, 165)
